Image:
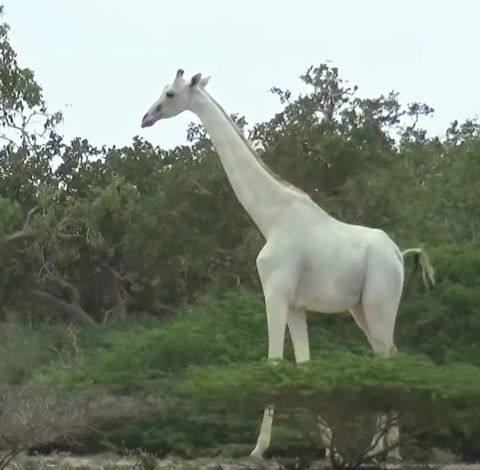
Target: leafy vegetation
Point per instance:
(131, 271)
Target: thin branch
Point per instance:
(9, 457)
(12, 143)
(25, 232)
(36, 419)
(328, 440)
(371, 457)
(20, 235)
(30, 215)
(336, 459)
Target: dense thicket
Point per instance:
(121, 242)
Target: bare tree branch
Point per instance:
(367, 456)
(29, 420)
(73, 312)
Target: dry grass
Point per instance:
(31, 419)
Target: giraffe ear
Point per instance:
(196, 79)
(204, 81)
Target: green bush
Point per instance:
(214, 331)
(29, 349)
(444, 323)
(207, 363)
(365, 381)
(208, 366)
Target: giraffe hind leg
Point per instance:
(380, 301)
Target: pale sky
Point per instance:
(103, 62)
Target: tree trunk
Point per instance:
(117, 295)
(72, 311)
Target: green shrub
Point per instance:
(27, 349)
(348, 390)
(213, 332)
(208, 365)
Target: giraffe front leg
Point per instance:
(297, 327)
(265, 435)
(277, 310)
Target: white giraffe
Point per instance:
(310, 260)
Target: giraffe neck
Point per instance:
(262, 194)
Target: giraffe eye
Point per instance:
(170, 94)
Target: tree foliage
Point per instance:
(112, 246)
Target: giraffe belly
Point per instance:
(329, 309)
(333, 303)
(332, 291)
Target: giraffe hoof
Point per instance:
(393, 462)
(257, 453)
(392, 465)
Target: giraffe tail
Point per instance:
(421, 258)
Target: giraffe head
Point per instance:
(175, 98)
